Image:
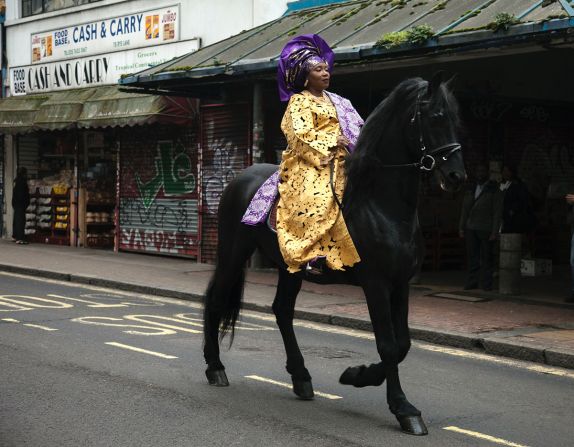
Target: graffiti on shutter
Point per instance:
(158, 191)
(225, 140)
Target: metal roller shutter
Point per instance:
(225, 152)
(3, 206)
(159, 190)
(28, 153)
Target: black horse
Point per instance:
(411, 131)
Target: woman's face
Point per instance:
(318, 78)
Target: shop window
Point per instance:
(33, 7)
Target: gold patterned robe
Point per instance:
(309, 222)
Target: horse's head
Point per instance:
(433, 130)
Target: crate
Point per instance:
(536, 267)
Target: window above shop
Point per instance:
(33, 7)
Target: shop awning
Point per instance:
(62, 110)
(94, 107)
(367, 30)
(17, 114)
(110, 107)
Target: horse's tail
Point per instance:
(228, 306)
(224, 295)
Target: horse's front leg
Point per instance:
(378, 295)
(288, 288)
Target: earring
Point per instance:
(306, 83)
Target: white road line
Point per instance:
(37, 326)
(10, 320)
(143, 351)
(288, 385)
(478, 435)
(500, 360)
(538, 368)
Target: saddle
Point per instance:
(272, 216)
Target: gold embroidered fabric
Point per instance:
(309, 222)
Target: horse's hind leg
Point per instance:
(284, 308)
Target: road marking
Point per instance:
(89, 303)
(10, 320)
(538, 368)
(288, 385)
(143, 351)
(478, 435)
(37, 326)
(500, 360)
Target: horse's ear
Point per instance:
(435, 82)
(451, 82)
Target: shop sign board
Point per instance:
(104, 69)
(136, 30)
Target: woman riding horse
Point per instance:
(413, 130)
(310, 227)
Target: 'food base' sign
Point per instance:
(92, 71)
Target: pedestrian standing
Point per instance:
(20, 201)
(517, 213)
(479, 225)
(570, 201)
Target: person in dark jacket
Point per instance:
(20, 201)
(479, 225)
(517, 213)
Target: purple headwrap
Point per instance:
(296, 60)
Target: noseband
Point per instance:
(428, 158)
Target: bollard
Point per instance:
(509, 266)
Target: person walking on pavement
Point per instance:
(479, 225)
(570, 201)
(20, 201)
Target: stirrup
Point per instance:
(316, 266)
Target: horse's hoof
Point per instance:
(351, 376)
(362, 376)
(303, 389)
(217, 377)
(413, 425)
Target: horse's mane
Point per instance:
(384, 130)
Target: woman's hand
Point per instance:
(570, 199)
(343, 141)
(326, 160)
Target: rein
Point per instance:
(426, 163)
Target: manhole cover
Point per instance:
(328, 353)
(454, 296)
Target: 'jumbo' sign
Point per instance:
(92, 71)
(137, 30)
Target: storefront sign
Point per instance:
(130, 31)
(92, 71)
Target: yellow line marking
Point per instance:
(143, 351)
(288, 385)
(478, 435)
(37, 326)
(10, 320)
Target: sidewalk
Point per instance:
(536, 326)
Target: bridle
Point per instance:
(428, 158)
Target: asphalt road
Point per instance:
(82, 366)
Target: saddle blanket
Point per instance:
(262, 202)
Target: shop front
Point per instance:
(72, 149)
